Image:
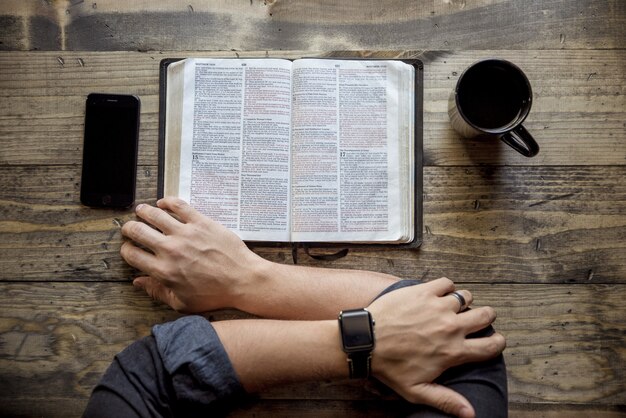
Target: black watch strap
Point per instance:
(356, 327)
(359, 365)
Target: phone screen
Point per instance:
(110, 150)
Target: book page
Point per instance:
(234, 154)
(345, 151)
(407, 154)
(173, 124)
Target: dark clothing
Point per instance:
(182, 370)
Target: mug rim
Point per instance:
(515, 122)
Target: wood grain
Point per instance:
(492, 224)
(564, 410)
(578, 115)
(541, 239)
(563, 346)
(303, 24)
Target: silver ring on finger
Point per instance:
(458, 296)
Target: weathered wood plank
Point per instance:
(324, 409)
(533, 410)
(11, 32)
(303, 24)
(493, 224)
(553, 335)
(565, 344)
(523, 225)
(577, 118)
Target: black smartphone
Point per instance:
(110, 150)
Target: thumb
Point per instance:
(444, 399)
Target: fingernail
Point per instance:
(137, 284)
(139, 207)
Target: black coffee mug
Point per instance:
(492, 98)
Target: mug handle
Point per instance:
(521, 141)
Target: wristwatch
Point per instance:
(357, 336)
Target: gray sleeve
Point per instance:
(194, 357)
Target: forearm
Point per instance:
(296, 292)
(196, 265)
(267, 353)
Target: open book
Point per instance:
(311, 150)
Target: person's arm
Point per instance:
(190, 365)
(267, 352)
(197, 265)
(412, 347)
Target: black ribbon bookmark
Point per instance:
(323, 257)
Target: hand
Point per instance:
(194, 264)
(419, 335)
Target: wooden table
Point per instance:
(543, 240)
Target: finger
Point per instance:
(454, 302)
(180, 208)
(477, 319)
(155, 289)
(157, 217)
(440, 287)
(142, 234)
(444, 399)
(136, 257)
(482, 349)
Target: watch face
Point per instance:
(356, 330)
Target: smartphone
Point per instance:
(110, 150)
